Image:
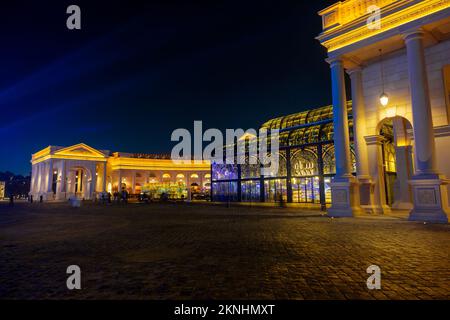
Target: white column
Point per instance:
(359, 133)
(429, 188)
(39, 178)
(104, 178)
(344, 189)
(425, 147)
(119, 185)
(359, 124)
(33, 179)
(403, 164)
(50, 176)
(93, 183)
(63, 176)
(61, 184)
(340, 121)
(376, 171)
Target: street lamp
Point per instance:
(384, 98)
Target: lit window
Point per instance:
(194, 176)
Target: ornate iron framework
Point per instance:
(306, 163)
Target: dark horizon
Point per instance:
(138, 71)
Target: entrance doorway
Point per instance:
(79, 182)
(397, 159)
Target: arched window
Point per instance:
(194, 176)
(304, 163)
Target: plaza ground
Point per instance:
(187, 251)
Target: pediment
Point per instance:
(80, 149)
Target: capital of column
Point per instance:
(374, 140)
(333, 62)
(354, 71)
(415, 34)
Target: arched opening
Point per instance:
(79, 182)
(397, 161)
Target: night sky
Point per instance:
(140, 69)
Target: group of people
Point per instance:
(117, 197)
(30, 199)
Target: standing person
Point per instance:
(11, 200)
(41, 199)
(31, 198)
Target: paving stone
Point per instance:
(211, 252)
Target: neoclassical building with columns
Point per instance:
(400, 77)
(60, 173)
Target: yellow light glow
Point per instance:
(391, 21)
(384, 99)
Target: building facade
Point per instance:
(306, 164)
(399, 66)
(60, 173)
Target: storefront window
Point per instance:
(251, 191)
(225, 191)
(275, 190)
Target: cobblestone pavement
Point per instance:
(213, 252)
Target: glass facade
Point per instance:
(306, 164)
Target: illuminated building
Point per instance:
(81, 171)
(390, 149)
(400, 83)
(306, 164)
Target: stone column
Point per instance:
(403, 164)
(63, 176)
(49, 195)
(344, 189)
(429, 187)
(104, 178)
(93, 182)
(119, 183)
(39, 179)
(376, 172)
(133, 181)
(32, 179)
(61, 186)
(359, 133)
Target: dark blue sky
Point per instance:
(140, 69)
